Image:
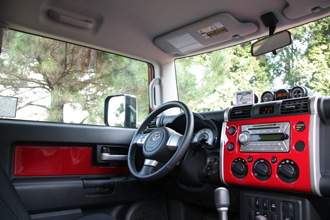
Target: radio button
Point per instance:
(230, 147)
(300, 127)
(232, 130)
(273, 160)
(300, 146)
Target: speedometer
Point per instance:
(205, 133)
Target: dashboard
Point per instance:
(274, 144)
(255, 149)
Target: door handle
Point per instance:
(109, 157)
(154, 82)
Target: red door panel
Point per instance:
(51, 161)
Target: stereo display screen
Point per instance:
(266, 137)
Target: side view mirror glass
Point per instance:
(8, 106)
(120, 111)
(271, 43)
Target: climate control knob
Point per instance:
(239, 168)
(288, 171)
(244, 138)
(262, 170)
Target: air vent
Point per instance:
(294, 106)
(241, 112)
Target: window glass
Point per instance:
(209, 81)
(61, 82)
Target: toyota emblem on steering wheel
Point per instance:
(155, 136)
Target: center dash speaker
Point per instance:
(145, 211)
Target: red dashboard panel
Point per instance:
(50, 161)
(302, 184)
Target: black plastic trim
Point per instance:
(51, 194)
(302, 207)
(255, 110)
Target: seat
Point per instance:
(12, 207)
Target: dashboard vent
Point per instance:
(241, 112)
(294, 106)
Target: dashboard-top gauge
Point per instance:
(268, 96)
(298, 92)
(282, 94)
(204, 133)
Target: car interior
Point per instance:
(263, 159)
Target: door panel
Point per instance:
(20, 133)
(55, 166)
(51, 194)
(51, 161)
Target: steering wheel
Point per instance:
(163, 148)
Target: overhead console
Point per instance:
(274, 144)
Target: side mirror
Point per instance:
(271, 43)
(120, 111)
(8, 106)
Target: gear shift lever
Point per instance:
(221, 200)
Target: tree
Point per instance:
(36, 69)
(221, 73)
(318, 55)
(306, 62)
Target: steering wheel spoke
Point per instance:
(148, 167)
(150, 163)
(174, 141)
(141, 139)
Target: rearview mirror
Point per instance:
(120, 111)
(271, 43)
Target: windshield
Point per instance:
(209, 81)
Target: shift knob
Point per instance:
(260, 217)
(222, 202)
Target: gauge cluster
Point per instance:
(296, 92)
(205, 133)
(205, 130)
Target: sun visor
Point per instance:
(207, 32)
(300, 8)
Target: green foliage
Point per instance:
(35, 68)
(222, 73)
(53, 75)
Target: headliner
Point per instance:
(129, 27)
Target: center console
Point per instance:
(271, 146)
(275, 207)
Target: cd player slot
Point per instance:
(263, 128)
(268, 137)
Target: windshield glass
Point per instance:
(209, 81)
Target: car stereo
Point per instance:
(269, 137)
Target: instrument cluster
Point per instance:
(296, 92)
